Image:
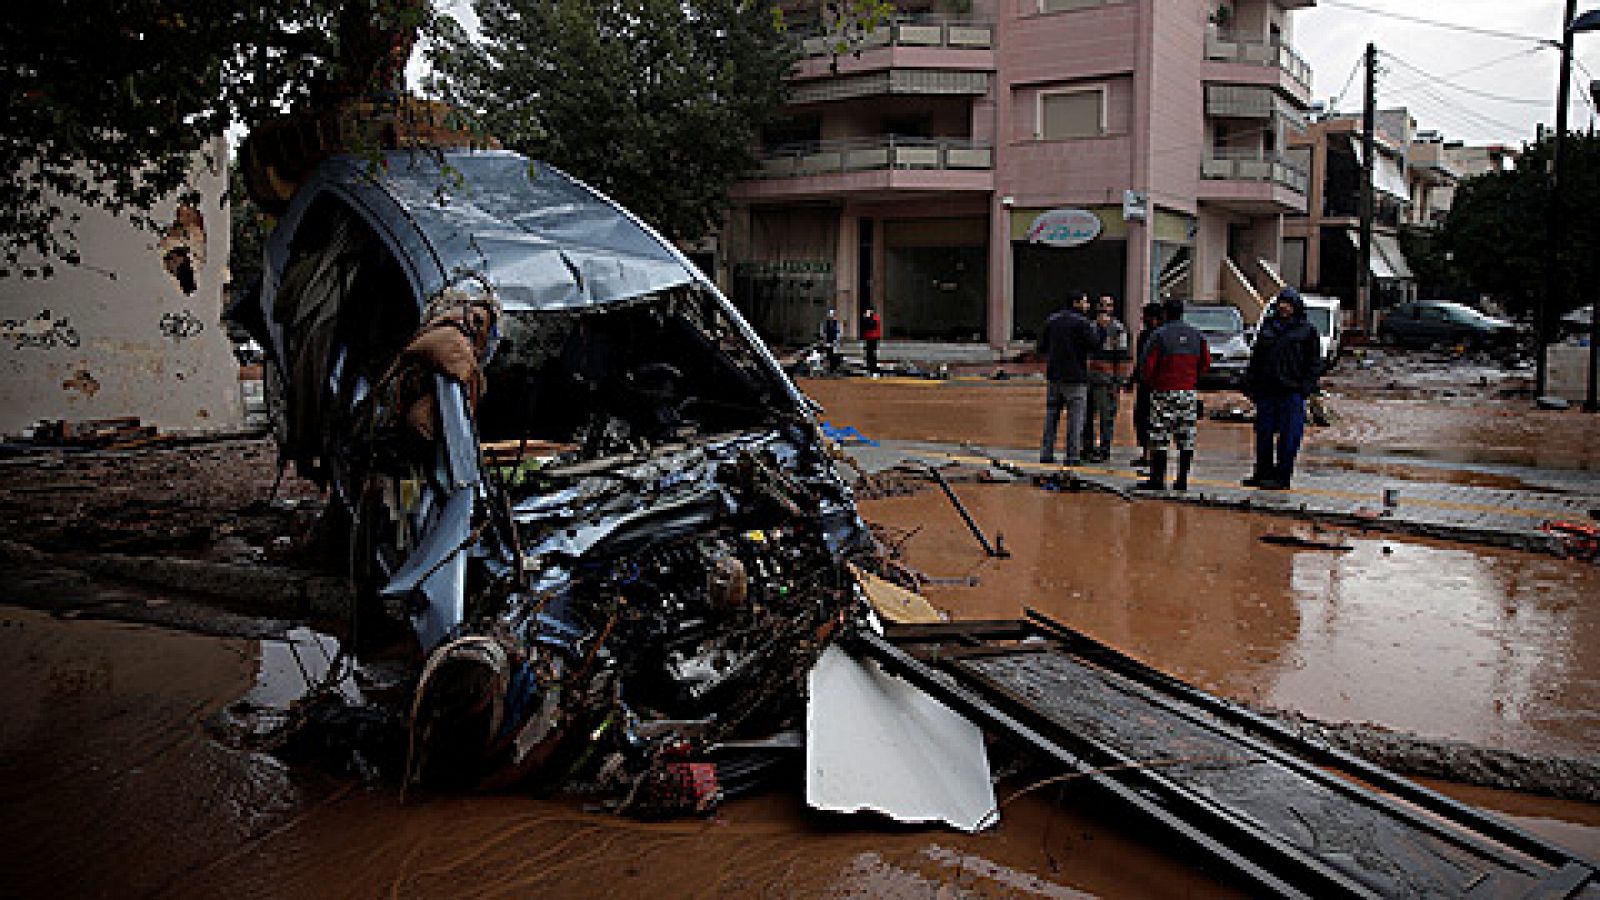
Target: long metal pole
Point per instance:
(1555, 229)
(1369, 146)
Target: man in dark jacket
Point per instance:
(1066, 342)
(1283, 372)
(1171, 364)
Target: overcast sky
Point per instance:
(1482, 89)
(1469, 86)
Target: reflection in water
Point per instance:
(111, 788)
(1487, 646)
(1476, 644)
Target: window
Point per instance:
(1072, 114)
(1050, 6)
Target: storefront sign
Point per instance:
(1064, 228)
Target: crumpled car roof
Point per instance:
(543, 239)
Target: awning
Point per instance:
(1387, 259)
(1386, 174)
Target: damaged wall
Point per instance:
(135, 330)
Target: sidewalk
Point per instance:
(1502, 517)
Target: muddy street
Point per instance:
(1469, 644)
(105, 747)
(108, 737)
(1402, 407)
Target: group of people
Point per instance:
(831, 335)
(1087, 362)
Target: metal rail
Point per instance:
(1230, 834)
(985, 714)
(1488, 825)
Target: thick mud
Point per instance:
(1486, 646)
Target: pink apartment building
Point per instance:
(980, 158)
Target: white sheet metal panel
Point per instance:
(876, 742)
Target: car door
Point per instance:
(1401, 324)
(1433, 325)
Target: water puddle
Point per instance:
(1471, 644)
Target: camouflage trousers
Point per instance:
(1173, 415)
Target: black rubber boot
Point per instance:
(1185, 459)
(1260, 476)
(1157, 481)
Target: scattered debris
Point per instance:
(1555, 403)
(1574, 540)
(847, 435)
(996, 549)
(1064, 480)
(1233, 412)
(1295, 540)
(125, 433)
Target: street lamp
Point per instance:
(1571, 25)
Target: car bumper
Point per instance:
(1226, 372)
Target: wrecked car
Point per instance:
(606, 523)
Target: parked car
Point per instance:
(1445, 324)
(1224, 331)
(1324, 315)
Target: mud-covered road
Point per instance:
(111, 784)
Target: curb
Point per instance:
(268, 590)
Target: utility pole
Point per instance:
(1555, 211)
(1369, 145)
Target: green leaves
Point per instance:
(657, 103)
(108, 102)
(1495, 239)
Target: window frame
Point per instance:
(1103, 125)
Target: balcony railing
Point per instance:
(865, 154)
(1230, 164)
(1224, 48)
(921, 30)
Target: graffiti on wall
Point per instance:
(181, 326)
(183, 247)
(44, 331)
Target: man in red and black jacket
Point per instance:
(1171, 364)
(871, 334)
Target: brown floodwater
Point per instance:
(1489, 646)
(111, 787)
(1011, 413)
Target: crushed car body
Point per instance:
(565, 462)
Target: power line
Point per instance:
(1431, 79)
(1464, 111)
(1348, 79)
(1418, 20)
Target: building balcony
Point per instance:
(1253, 182)
(922, 41)
(884, 152)
(877, 163)
(1257, 62)
(920, 30)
